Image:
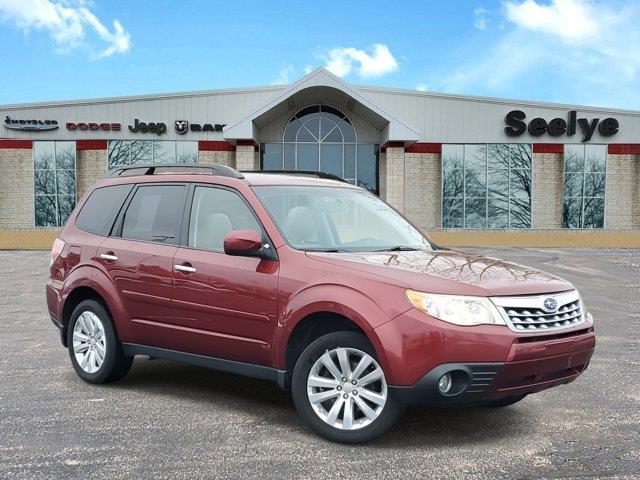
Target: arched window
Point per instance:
(322, 138)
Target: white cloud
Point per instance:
(342, 61)
(571, 51)
(284, 75)
(571, 20)
(422, 87)
(481, 18)
(69, 23)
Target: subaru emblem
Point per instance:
(550, 304)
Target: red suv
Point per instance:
(308, 281)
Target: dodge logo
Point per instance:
(550, 304)
(182, 126)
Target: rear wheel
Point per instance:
(340, 390)
(96, 354)
(504, 402)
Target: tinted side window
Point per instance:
(153, 214)
(214, 213)
(100, 210)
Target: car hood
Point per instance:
(450, 272)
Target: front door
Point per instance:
(225, 305)
(139, 260)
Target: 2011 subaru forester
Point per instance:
(309, 281)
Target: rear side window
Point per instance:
(100, 210)
(154, 214)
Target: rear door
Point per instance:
(138, 258)
(225, 305)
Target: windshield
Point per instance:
(338, 220)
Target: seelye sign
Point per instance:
(516, 125)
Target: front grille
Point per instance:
(528, 313)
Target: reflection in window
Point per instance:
(134, 152)
(321, 138)
(486, 186)
(54, 182)
(584, 186)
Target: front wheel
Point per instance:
(340, 390)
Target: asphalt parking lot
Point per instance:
(168, 420)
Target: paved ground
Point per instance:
(169, 420)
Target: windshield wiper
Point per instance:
(398, 248)
(327, 250)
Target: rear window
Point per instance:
(154, 213)
(100, 210)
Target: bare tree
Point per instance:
(495, 183)
(584, 190)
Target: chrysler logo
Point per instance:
(30, 125)
(550, 304)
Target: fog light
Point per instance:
(444, 384)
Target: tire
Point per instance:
(504, 402)
(92, 327)
(357, 427)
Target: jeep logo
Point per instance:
(559, 126)
(151, 127)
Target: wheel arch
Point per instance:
(312, 327)
(73, 299)
(319, 319)
(94, 285)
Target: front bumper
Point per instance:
(532, 365)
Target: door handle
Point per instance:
(185, 268)
(109, 256)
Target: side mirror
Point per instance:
(242, 243)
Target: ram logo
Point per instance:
(182, 126)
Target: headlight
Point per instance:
(456, 309)
(583, 306)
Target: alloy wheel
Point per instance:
(346, 388)
(89, 343)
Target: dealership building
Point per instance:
(468, 170)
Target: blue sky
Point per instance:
(584, 52)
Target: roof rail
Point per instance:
(306, 173)
(174, 168)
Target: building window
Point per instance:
(486, 186)
(133, 152)
(54, 182)
(584, 186)
(321, 138)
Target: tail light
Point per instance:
(56, 249)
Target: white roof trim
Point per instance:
(396, 130)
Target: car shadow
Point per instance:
(419, 426)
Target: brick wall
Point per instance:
(422, 189)
(547, 187)
(382, 175)
(227, 158)
(16, 188)
(635, 220)
(622, 197)
(247, 158)
(394, 177)
(91, 165)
